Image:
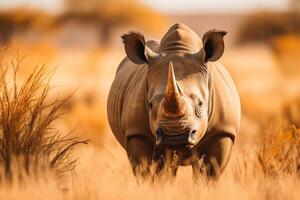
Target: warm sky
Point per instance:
(216, 5)
(175, 6)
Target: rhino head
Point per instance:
(178, 83)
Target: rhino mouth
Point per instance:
(186, 139)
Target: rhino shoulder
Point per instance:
(226, 112)
(135, 119)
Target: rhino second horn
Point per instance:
(173, 104)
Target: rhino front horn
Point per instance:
(173, 104)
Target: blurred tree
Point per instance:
(86, 6)
(265, 26)
(6, 29)
(295, 5)
(106, 15)
(20, 20)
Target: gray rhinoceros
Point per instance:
(172, 103)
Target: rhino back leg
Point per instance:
(139, 150)
(215, 153)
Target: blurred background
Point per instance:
(82, 40)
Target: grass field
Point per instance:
(265, 162)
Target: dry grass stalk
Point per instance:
(279, 152)
(27, 120)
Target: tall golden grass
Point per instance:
(279, 151)
(29, 139)
(265, 169)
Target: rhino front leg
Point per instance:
(215, 153)
(165, 162)
(139, 150)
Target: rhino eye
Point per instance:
(198, 111)
(200, 103)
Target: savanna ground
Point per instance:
(265, 162)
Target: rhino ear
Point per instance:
(213, 45)
(136, 49)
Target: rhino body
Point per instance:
(128, 105)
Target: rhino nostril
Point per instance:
(192, 135)
(192, 138)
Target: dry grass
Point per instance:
(267, 169)
(279, 151)
(29, 139)
(256, 172)
(264, 163)
(291, 111)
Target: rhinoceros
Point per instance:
(172, 103)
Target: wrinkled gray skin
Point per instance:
(172, 103)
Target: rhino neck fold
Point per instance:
(211, 103)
